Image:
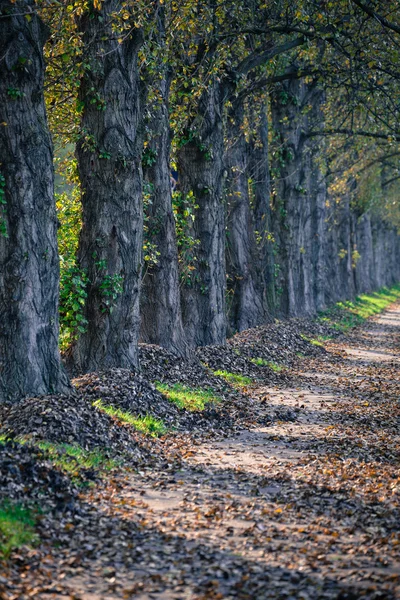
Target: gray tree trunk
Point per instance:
(261, 193)
(29, 269)
(317, 191)
(160, 294)
(299, 207)
(109, 160)
(246, 292)
(200, 170)
(364, 247)
(291, 209)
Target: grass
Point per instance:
(148, 425)
(313, 341)
(346, 315)
(186, 397)
(262, 362)
(72, 458)
(234, 379)
(69, 458)
(16, 527)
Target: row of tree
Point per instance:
(280, 120)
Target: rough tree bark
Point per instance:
(364, 246)
(299, 201)
(109, 161)
(346, 275)
(291, 210)
(29, 268)
(246, 293)
(200, 169)
(317, 192)
(160, 294)
(261, 190)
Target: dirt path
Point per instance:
(301, 509)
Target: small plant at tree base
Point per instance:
(73, 280)
(73, 294)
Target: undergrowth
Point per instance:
(148, 424)
(71, 459)
(346, 315)
(16, 527)
(234, 379)
(186, 397)
(262, 362)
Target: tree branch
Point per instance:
(369, 11)
(259, 58)
(350, 132)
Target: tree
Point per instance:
(246, 286)
(161, 315)
(29, 270)
(109, 153)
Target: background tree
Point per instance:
(161, 315)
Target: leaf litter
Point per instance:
(298, 499)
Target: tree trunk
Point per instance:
(333, 291)
(291, 209)
(317, 191)
(364, 259)
(246, 294)
(261, 192)
(160, 295)
(346, 277)
(29, 269)
(299, 209)
(109, 161)
(200, 170)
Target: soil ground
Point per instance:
(300, 509)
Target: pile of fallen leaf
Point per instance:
(74, 419)
(27, 473)
(282, 342)
(70, 420)
(132, 393)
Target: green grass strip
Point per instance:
(262, 362)
(192, 399)
(148, 424)
(345, 315)
(234, 379)
(69, 458)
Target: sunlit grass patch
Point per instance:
(313, 341)
(16, 527)
(70, 458)
(348, 314)
(234, 379)
(262, 362)
(148, 424)
(187, 397)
